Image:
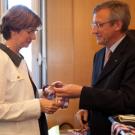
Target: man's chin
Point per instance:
(100, 43)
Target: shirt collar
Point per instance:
(13, 56)
(114, 46)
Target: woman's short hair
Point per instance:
(17, 18)
(119, 11)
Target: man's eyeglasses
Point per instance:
(100, 25)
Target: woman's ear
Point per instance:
(14, 34)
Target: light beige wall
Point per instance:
(60, 47)
(71, 46)
(60, 53)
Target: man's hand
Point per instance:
(68, 90)
(82, 117)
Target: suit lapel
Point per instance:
(114, 60)
(98, 65)
(110, 65)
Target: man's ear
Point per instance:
(118, 25)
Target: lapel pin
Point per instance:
(115, 60)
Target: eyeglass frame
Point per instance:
(100, 25)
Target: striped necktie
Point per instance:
(107, 56)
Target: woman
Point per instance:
(20, 112)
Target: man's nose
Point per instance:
(94, 30)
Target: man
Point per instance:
(113, 83)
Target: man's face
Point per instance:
(102, 27)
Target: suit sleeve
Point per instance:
(118, 96)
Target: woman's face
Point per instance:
(24, 37)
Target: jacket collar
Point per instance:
(114, 59)
(13, 56)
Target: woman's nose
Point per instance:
(33, 36)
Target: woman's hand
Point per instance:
(49, 106)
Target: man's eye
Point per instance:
(100, 25)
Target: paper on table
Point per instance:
(126, 118)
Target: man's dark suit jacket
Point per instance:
(113, 87)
